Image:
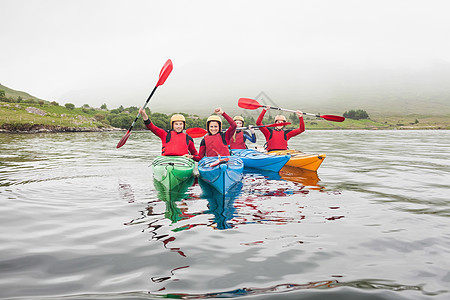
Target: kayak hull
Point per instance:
(171, 171)
(222, 176)
(262, 161)
(301, 160)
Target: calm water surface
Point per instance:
(80, 219)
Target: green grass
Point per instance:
(15, 113)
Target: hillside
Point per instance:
(10, 93)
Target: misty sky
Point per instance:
(106, 51)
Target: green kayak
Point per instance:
(171, 171)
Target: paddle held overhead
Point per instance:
(165, 71)
(197, 132)
(253, 104)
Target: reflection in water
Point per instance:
(126, 192)
(164, 278)
(292, 287)
(171, 197)
(222, 206)
(305, 177)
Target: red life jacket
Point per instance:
(176, 144)
(277, 140)
(215, 143)
(239, 143)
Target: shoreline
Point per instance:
(39, 128)
(59, 129)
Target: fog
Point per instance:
(319, 55)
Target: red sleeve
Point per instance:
(201, 151)
(297, 131)
(264, 130)
(192, 149)
(231, 130)
(161, 133)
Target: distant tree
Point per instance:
(293, 118)
(356, 114)
(104, 106)
(41, 102)
(19, 99)
(2, 93)
(54, 103)
(161, 123)
(85, 106)
(99, 117)
(69, 106)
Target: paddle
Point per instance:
(270, 125)
(165, 71)
(219, 161)
(253, 104)
(197, 132)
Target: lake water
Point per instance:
(80, 219)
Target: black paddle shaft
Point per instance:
(146, 102)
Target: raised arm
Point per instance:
(264, 130)
(301, 126)
(161, 133)
(232, 129)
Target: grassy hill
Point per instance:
(48, 117)
(10, 93)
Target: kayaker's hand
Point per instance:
(299, 114)
(143, 114)
(266, 107)
(218, 111)
(250, 127)
(188, 156)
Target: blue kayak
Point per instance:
(262, 161)
(221, 173)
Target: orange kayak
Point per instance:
(301, 160)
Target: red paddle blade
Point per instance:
(278, 124)
(196, 132)
(123, 140)
(220, 161)
(248, 103)
(165, 71)
(333, 118)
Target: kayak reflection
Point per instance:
(172, 196)
(305, 177)
(220, 205)
(269, 175)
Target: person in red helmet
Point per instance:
(174, 142)
(240, 136)
(277, 138)
(215, 142)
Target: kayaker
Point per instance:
(216, 142)
(174, 142)
(277, 138)
(241, 136)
